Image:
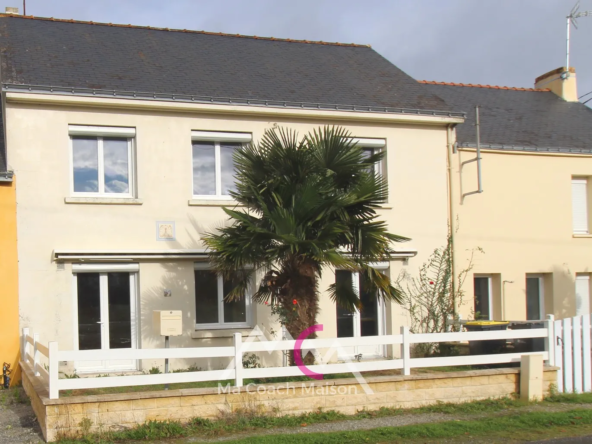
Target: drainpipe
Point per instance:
(449, 145)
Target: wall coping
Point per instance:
(43, 395)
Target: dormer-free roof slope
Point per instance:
(65, 53)
(519, 119)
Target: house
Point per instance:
(120, 139)
(532, 216)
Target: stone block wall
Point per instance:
(65, 416)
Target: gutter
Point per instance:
(39, 93)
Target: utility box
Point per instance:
(167, 322)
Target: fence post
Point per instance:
(54, 392)
(550, 342)
(35, 354)
(405, 351)
(238, 360)
(25, 344)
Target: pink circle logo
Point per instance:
(298, 352)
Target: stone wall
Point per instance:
(63, 417)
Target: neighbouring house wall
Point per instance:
(39, 151)
(523, 222)
(9, 313)
(63, 417)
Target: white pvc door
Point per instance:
(367, 321)
(105, 314)
(582, 295)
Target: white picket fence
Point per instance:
(573, 354)
(236, 372)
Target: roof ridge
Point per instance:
(512, 88)
(222, 34)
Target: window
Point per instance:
(211, 309)
(482, 288)
(534, 297)
(213, 165)
(371, 147)
(102, 161)
(582, 294)
(579, 198)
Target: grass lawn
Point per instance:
(499, 418)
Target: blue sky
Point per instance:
(501, 42)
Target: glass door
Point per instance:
(105, 316)
(367, 321)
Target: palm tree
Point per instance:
(310, 205)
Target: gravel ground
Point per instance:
(18, 425)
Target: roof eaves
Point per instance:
(82, 22)
(87, 92)
(538, 149)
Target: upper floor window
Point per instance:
(579, 199)
(213, 164)
(102, 161)
(371, 147)
(211, 310)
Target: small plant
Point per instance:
(154, 371)
(70, 375)
(251, 361)
(191, 368)
(85, 424)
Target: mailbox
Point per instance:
(167, 322)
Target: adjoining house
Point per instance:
(532, 218)
(121, 139)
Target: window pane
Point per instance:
(368, 311)
(89, 311)
(115, 153)
(120, 324)
(236, 310)
(227, 166)
(86, 164)
(345, 318)
(204, 168)
(481, 297)
(206, 297)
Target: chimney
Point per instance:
(11, 10)
(560, 81)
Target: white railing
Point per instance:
(236, 372)
(574, 353)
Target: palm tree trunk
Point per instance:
(300, 301)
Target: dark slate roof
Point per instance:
(67, 53)
(518, 118)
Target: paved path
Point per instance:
(18, 425)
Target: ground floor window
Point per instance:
(482, 293)
(211, 310)
(582, 294)
(534, 297)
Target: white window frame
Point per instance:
(541, 294)
(100, 133)
(217, 138)
(377, 145)
(102, 270)
(489, 289)
(221, 324)
(580, 181)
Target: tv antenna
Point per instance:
(572, 20)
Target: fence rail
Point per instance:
(236, 372)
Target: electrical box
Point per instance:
(167, 322)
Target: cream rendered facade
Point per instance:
(523, 222)
(39, 153)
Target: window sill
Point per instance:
(212, 203)
(103, 200)
(582, 235)
(224, 333)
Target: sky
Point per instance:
(498, 42)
